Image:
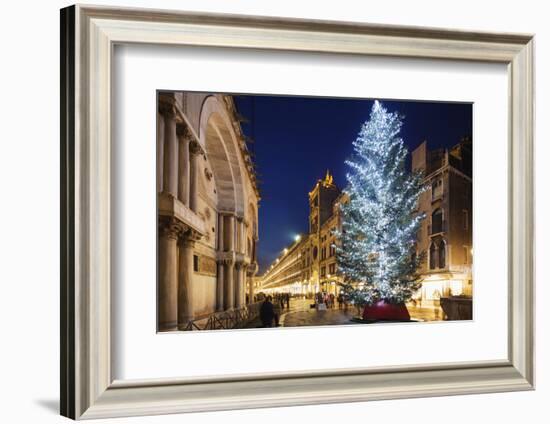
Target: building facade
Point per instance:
(207, 209)
(309, 265)
(445, 234)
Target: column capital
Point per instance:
(195, 148)
(167, 105)
(226, 213)
(183, 132)
(171, 228)
(252, 269)
(189, 237)
(227, 258)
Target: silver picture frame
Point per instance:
(88, 389)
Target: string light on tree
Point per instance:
(376, 251)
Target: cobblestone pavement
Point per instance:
(425, 314)
(301, 315)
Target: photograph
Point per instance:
(292, 211)
(325, 209)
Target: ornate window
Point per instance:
(433, 252)
(437, 221)
(442, 258)
(437, 189)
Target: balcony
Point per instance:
(437, 193)
(437, 228)
(170, 206)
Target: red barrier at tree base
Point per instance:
(382, 311)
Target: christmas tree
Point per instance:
(376, 252)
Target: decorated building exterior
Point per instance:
(207, 209)
(446, 233)
(309, 265)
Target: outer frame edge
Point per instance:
(67, 181)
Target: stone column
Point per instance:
(228, 295)
(167, 312)
(195, 151)
(219, 286)
(244, 286)
(220, 232)
(220, 281)
(238, 285)
(170, 180)
(244, 236)
(239, 241)
(251, 286)
(160, 150)
(231, 232)
(184, 138)
(186, 311)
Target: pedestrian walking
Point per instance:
(267, 313)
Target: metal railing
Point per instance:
(226, 320)
(437, 228)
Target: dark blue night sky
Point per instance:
(296, 139)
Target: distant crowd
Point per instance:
(324, 300)
(272, 306)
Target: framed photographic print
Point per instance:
(265, 212)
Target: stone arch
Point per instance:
(253, 231)
(253, 219)
(218, 138)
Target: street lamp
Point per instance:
(297, 238)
